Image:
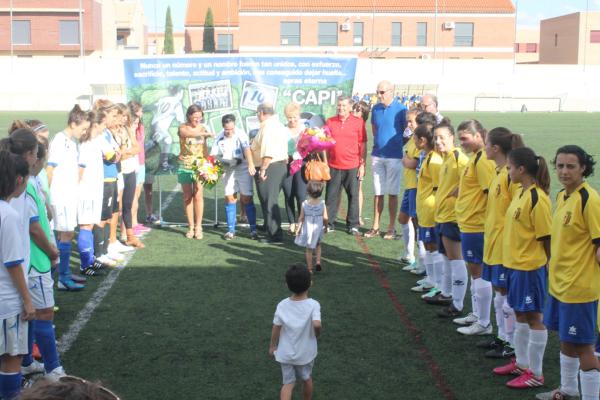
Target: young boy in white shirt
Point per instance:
(296, 327)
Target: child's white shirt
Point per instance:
(91, 185)
(297, 341)
(63, 156)
(11, 256)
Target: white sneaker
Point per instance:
(107, 261)
(468, 320)
(118, 257)
(55, 374)
(422, 281)
(35, 367)
(410, 266)
(417, 270)
(475, 329)
(118, 247)
(424, 288)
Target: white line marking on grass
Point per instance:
(68, 338)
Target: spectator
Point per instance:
(389, 120)
(269, 151)
(429, 103)
(346, 163)
(294, 186)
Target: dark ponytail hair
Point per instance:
(585, 159)
(11, 166)
(472, 126)
(534, 165)
(425, 131)
(77, 116)
(42, 147)
(445, 123)
(425, 117)
(19, 142)
(505, 139)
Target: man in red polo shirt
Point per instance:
(346, 162)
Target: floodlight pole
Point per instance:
(11, 30)
(435, 29)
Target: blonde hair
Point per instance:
(291, 108)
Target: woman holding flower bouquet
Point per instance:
(192, 142)
(294, 185)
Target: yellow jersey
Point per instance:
(410, 175)
(574, 273)
(452, 168)
(501, 192)
(472, 192)
(427, 185)
(528, 221)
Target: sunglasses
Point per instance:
(101, 389)
(383, 91)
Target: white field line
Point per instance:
(68, 338)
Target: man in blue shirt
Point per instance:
(388, 119)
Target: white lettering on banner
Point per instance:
(314, 97)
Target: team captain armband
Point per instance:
(110, 156)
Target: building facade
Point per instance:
(61, 28)
(527, 46)
(571, 39)
(381, 29)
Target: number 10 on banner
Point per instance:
(255, 93)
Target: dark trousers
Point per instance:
(347, 179)
(129, 184)
(268, 194)
(294, 191)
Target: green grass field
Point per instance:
(191, 319)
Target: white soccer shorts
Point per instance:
(89, 211)
(41, 290)
(13, 336)
(65, 217)
(238, 180)
(387, 176)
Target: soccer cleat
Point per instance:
(69, 285)
(439, 300)
(229, 236)
(106, 262)
(418, 271)
(421, 288)
(78, 279)
(509, 369)
(488, 344)
(504, 351)
(35, 367)
(525, 381)
(468, 320)
(422, 282)
(475, 330)
(449, 312)
(432, 293)
(91, 271)
(556, 395)
(409, 266)
(55, 374)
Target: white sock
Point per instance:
(483, 293)
(460, 278)
(537, 346)
(429, 268)
(438, 269)
(408, 234)
(569, 368)
(590, 384)
(421, 247)
(474, 307)
(521, 344)
(447, 281)
(510, 321)
(498, 302)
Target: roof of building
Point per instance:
(222, 15)
(196, 10)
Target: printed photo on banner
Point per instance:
(215, 121)
(255, 93)
(252, 125)
(212, 95)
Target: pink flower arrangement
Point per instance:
(311, 140)
(207, 171)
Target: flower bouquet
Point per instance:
(311, 140)
(207, 171)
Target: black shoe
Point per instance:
(353, 231)
(501, 352)
(262, 228)
(489, 344)
(449, 312)
(270, 241)
(439, 300)
(90, 271)
(97, 265)
(254, 235)
(318, 267)
(330, 229)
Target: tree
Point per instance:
(169, 48)
(208, 39)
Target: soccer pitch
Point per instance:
(191, 319)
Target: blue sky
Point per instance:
(529, 12)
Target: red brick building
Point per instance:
(368, 28)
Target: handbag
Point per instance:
(317, 170)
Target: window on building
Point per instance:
(224, 42)
(21, 32)
(463, 34)
(595, 37)
(396, 33)
(290, 34)
(556, 40)
(68, 32)
(357, 34)
(328, 34)
(421, 33)
(531, 48)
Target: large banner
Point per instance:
(229, 84)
